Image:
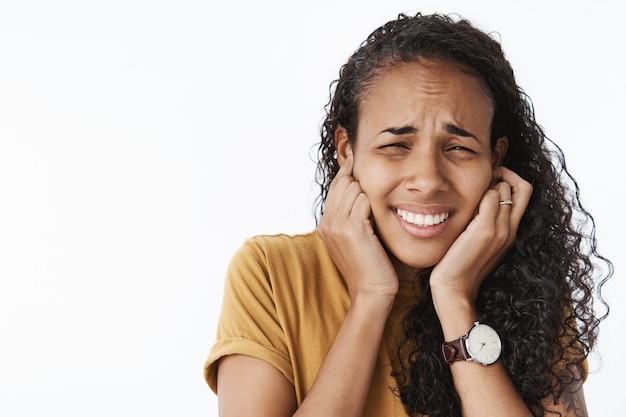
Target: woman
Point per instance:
(449, 274)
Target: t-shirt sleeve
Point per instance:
(248, 322)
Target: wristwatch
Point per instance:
(481, 345)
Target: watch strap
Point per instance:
(455, 350)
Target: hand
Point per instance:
(485, 241)
(347, 232)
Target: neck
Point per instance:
(405, 272)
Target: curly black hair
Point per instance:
(540, 298)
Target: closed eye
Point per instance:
(394, 149)
(395, 145)
(460, 149)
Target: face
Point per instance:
(422, 156)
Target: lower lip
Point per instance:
(422, 231)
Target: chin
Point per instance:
(409, 253)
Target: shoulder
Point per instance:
(305, 247)
(281, 253)
(278, 242)
(285, 264)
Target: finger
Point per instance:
(487, 210)
(505, 205)
(361, 208)
(521, 191)
(347, 201)
(504, 196)
(339, 184)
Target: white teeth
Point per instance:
(422, 220)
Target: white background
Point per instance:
(142, 141)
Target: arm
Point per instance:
(483, 390)
(248, 386)
(571, 404)
(343, 382)
(455, 281)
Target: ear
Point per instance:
(342, 144)
(499, 151)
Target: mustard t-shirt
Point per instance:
(284, 301)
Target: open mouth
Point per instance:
(422, 220)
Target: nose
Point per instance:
(425, 173)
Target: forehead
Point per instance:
(427, 86)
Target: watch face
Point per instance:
(483, 344)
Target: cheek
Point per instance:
(375, 178)
(472, 189)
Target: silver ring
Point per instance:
(506, 202)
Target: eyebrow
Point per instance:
(455, 130)
(450, 128)
(404, 130)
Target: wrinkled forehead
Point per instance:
(437, 64)
(429, 82)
